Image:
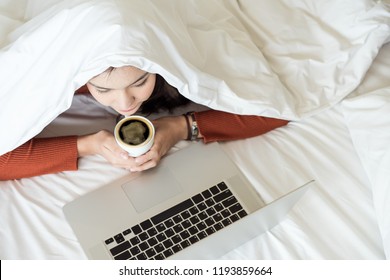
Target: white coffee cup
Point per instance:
(135, 149)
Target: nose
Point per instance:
(125, 100)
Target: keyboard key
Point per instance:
(177, 219)
(152, 232)
(217, 217)
(193, 239)
(186, 224)
(209, 202)
(201, 226)
(150, 253)
(168, 243)
(185, 244)
(169, 223)
(144, 246)
(185, 234)
(152, 241)
(169, 232)
(185, 214)
(229, 201)
(194, 220)
(126, 232)
(124, 256)
(222, 186)
(226, 222)
(176, 239)
(109, 241)
(176, 248)
(161, 227)
(209, 221)
(135, 251)
(206, 194)
(120, 248)
(203, 215)
(225, 213)
(214, 190)
(178, 228)
(218, 207)
(218, 226)
(143, 236)
(234, 218)
(223, 195)
(194, 210)
(136, 229)
(142, 256)
(172, 211)
(146, 224)
(159, 248)
(168, 253)
(210, 211)
(159, 257)
(210, 230)
(161, 237)
(197, 198)
(242, 213)
(235, 208)
(119, 238)
(193, 230)
(202, 206)
(135, 240)
(201, 235)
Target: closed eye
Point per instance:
(102, 90)
(143, 82)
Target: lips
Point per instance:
(134, 108)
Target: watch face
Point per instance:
(194, 131)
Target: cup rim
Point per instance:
(142, 119)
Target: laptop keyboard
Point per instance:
(178, 227)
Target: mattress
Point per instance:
(342, 147)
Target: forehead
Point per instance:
(117, 78)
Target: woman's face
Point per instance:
(124, 89)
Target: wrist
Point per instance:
(192, 127)
(85, 145)
(81, 146)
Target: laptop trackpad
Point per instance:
(151, 188)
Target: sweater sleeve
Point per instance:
(40, 156)
(222, 126)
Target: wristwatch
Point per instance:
(193, 130)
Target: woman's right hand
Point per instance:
(104, 144)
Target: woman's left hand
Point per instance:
(169, 131)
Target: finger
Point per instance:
(151, 155)
(148, 165)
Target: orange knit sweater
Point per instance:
(50, 155)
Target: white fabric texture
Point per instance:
(227, 55)
(368, 119)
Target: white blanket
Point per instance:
(285, 59)
(368, 119)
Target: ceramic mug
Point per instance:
(135, 135)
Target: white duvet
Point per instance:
(284, 59)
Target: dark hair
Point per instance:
(164, 98)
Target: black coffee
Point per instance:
(133, 132)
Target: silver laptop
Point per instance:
(195, 205)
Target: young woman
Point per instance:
(129, 90)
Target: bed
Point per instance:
(338, 134)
